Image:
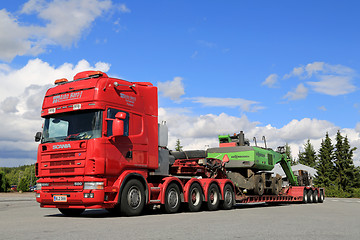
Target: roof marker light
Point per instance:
(61, 81)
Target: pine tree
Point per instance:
(326, 174)
(344, 165)
(308, 157)
(178, 146)
(288, 154)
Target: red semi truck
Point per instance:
(102, 147)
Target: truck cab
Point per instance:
(95, 129)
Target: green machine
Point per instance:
(249, 166)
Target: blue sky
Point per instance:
(288, 70)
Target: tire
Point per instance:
(195, 197)
(310, 196)
(322, 196)
(132, 200)
(275, 186)
(213, 197)
(228, 201)
(172, 198)
(305, 196)
(259, 185)
(71, 212)
(315, 197)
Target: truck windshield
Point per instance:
(72, 126)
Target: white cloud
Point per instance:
(271, 81)
(323, 108)
(333, 85)
(300, 92)
(297, 71)
(123, 8)
(243, 104)
(330, 79)
(37, 72)
(16, 41)
(172, 89)
(207, 44)
(357, 128)
(21, 97)
(314, 67)
(65, 23)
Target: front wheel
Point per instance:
(132, 198)
(71, 212)
(172, 198)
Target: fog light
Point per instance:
(88, 195)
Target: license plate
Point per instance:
(60, 198)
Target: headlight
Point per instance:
(39, 185)
(93, 185)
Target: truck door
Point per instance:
(129, 150)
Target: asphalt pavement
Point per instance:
(22, 218)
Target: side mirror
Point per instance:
(38, 136)
(118, 124)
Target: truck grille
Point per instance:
(62, 170)
(62, 155)
(63, 163)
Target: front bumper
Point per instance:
(61, 193)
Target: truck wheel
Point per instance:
(322, 196)
(172, 198)
(71, 212)
(305, 196)
(259, 185)
(315, 197)
(132, 198)
(275, 186)
(213, 197)
(195, 197)
(310, 196)
(228, 201)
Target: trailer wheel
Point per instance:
(315, 197)
(228, 201)
(305, 196)
(213, 197)
(195, 198)
(322, 196)
(310, 196)
(172, 198)
(259, 185)
(132, 198)
(71, 212)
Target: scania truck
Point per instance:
(102, 147)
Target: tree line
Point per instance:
(22, 177)
(335, 166)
